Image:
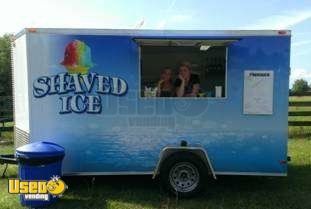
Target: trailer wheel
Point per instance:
(183, 174)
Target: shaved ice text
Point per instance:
(79, 93)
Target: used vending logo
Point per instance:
(86, 86)
(36, 189)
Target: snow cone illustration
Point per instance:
(77, 58)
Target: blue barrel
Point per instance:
(39, 161)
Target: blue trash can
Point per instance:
(39, 161)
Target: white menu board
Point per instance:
(258, 92)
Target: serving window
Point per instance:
(183, 68)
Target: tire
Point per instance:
(183, 174)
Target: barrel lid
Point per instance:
(40, 149)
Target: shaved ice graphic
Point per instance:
(77, 58)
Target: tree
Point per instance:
(300, 87)
(5, 65)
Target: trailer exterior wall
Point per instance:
(124, 136)
(20, 90)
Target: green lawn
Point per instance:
(134, 192)
(299, 98)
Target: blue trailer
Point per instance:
(99, 94)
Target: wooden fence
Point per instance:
(6, 113)
(299, 113)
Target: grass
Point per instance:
(135, 192)
(7, 200)
(7, 124)
(6, 136)
(299, 98)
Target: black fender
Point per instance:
(198, 151)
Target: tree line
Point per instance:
(300, 88)
(5, 65)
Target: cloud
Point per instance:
(281, 21)
(57, 13)
(161, 24)
(298, 73)
(301, 43)
(180, 18)
(169, 18)
(173, 20)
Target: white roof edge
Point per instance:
(153, 32)
(20, 33)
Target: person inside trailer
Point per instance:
(187, 84)
(165, 87)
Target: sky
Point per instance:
(170, 14)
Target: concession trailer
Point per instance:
(94, 92)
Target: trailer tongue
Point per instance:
(7, 159)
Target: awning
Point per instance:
(184, 42)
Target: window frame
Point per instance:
(193, 98)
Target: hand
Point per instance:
(181, 78)
(160, 82)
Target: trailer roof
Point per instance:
(160, 33)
